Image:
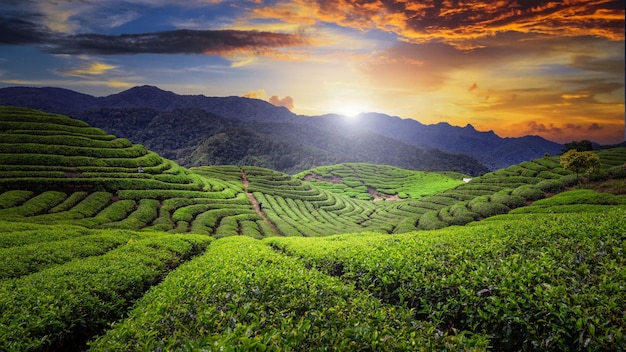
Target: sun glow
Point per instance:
(351, 109)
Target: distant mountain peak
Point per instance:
(145, 90)
(490, 149)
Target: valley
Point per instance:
(109, 245)
(194, 130)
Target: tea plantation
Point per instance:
(108, 246)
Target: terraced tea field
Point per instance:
(108, 246)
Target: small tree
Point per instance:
(588, 162)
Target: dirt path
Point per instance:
(255, 203)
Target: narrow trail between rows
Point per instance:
(255, 203)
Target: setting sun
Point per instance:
(549, 68)
(350, 111)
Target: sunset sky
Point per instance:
(551, 68)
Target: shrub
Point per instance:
(569, 180)
(528, 192)
(616, 171)
(36, 205)
(430, 221)
(511, 201)
(13, 198)
(256, 300)
(548, 174)
(65, 304)
(550, 186)
(487, 209)
(70, 202)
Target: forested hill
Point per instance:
(194, 137)
(299, 133)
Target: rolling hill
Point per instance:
(98, 255)
(320, 134)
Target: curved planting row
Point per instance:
(299, 209)
(369, 181)
(501, 191)
(60, 286)
(492, 194)
(138, 199)
(52, 152)
(217, 216)
(242, 295)
(552, 282)
(41, 152)
(575, 201)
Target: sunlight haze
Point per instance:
(550, 68)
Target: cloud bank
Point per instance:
(212, 42)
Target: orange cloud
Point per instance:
(285, 102)
(458, 22)
(255, 94)
(473, 87)
(287, 12)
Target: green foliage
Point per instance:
(586, 161)
(550, 186)
(358, 179)
(19, 233)
(617, 172)
(242, 295)
(69, 202)
(575, 201)
(36, 205)
(509, 200)
(66, 304)
(528, 192)
(552, 282)
(487, 209)
(430, 221)
(13, 198)
(27, 259)
(582, 196)
(145, 213)
(546, 276)
(90, 206)
(579, 146)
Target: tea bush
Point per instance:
(66, 304)
(241, 295)
(541, 282)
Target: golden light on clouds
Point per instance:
(554, 68)
(255, 94)
(95, 68)
(456, 22)
(119, 84)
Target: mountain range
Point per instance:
(198, 130)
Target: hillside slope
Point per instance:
(93, 255)
(194, 137)
(491, 150)
(63, 165)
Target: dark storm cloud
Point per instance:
(15, 31)
(176, 42)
